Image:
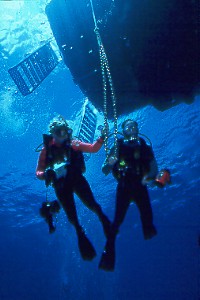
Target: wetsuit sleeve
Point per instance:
(153, 168)
(87, 147)
(151, 161)
(41, 165)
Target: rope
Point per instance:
(93, 14)
(107, 81)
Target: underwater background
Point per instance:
(35, 265)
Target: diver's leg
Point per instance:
(84, 192)
(107, 261)
(142, 201)
(123, 196)
(66, 198)
(64, 192)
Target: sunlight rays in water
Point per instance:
(12, 122)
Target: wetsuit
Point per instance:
(134, 162)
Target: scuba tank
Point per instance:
(163, 178)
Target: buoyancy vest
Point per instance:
(134, 157)
(74, 159)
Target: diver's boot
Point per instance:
(85, 246)
(149, 232)
(107, 261)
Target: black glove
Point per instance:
(50, 176)
(104, 132)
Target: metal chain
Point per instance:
(107, 80)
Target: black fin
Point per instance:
(107, 261)
(86, 248)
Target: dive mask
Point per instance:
(130, 128)
(62, 132)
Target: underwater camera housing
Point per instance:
(47, 211)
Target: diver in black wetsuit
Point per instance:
(134, 167)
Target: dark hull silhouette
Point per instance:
(152, 47)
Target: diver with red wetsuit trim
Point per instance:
(61, 164)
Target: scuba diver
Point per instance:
(61, 164)
(133, 167)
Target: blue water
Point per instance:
(36, 265)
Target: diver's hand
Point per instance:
(148, 181)
(104, 131)
(108, 165)
(111, 160)
(106, 169)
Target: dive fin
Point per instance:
(149, 232)
(86, 248)
(107, 261)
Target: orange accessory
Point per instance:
(163, 178)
